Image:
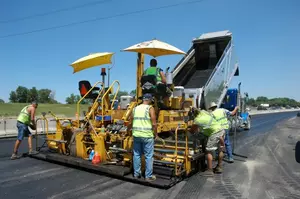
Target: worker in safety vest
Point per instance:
(205, 123)
(221, 115)
(144, 130)
(154, 70)
(161, 81)
(25, 119)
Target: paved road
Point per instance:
(269, 172)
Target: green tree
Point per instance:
(44, 95)
(13, 97)
(25, 95)
(251, 102)
(73, 99)
(22, 94)
(2, 101)
(133, 92)
(33, 94)
(52, 98)
(280, 101)
(121, 93)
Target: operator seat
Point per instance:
(148, 84)
(85, 86)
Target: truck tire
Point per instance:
(248, 126)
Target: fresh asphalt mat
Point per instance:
(270, 171)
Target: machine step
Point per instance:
(166, 162)
(59, 141)
(169, 151)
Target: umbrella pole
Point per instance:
(103, 73)
(139, 73)
(108, 76)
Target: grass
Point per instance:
(68, 110)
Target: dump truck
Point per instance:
(206, 72)
(200, 77)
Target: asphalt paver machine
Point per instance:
(103, 130)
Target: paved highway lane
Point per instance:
(263, 175)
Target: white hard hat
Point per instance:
(212, 105)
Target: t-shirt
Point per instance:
(160, 70)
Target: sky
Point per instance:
(265, 33)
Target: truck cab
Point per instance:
(230, 101)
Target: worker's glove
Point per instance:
(32, 126)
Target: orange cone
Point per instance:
(96, 158)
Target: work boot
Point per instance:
(32, 152)
(218, 169)
(151, 179)
(137, 177)
(14, 156)
(208, 173)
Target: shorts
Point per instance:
(23, 131)
(213, 141)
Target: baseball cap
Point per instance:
(147, 96)
(35, 102)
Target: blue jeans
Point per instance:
(22, 131)
(227, 144)
(143, 146)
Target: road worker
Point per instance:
(161, 82)
(25, 119)
(158, 72)
(205, 123)
(221, 115)
(144, 130)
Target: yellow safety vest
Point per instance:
(24, 116)
(207, 123)
(142, 125)
(220, 116)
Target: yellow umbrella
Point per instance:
(91, 60)
(154, 48)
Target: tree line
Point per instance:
(280, 101)
(47, 96)
(27, 95)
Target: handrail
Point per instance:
(176, 154)
(181, 126)
(110, 88)
(78, 103)
(36, 131)
(94, 106)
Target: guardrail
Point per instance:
(256, 112)
(8, 128)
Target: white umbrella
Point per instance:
(154, 48)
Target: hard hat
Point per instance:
(212, 105)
